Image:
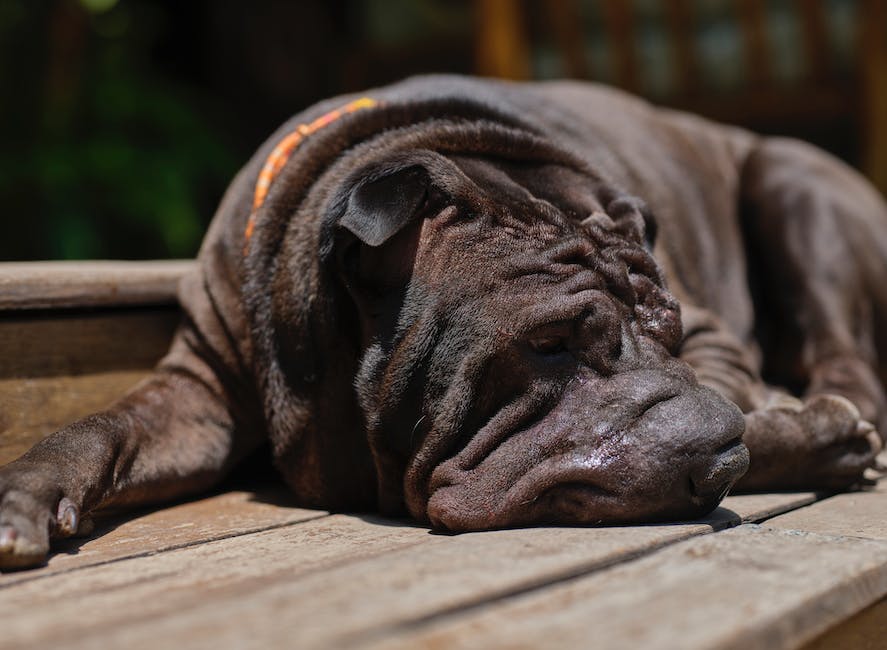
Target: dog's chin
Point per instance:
(569, 502)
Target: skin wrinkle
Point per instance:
(444, 432)
(424, 333)
(561, 307)
(552, 466)
(523, 409)
(495, 135)
(615, 269)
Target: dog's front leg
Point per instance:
(174, 434)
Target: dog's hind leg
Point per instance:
(816, 234)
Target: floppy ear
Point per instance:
(377, 239)
(377, 209)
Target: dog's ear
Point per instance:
(379, 208)
(376, 240)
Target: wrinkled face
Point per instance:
(525, 372)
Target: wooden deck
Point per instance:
(245, 568)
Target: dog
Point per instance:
(491, 304)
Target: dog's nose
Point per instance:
(711, 478)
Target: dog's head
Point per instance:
(517, 348)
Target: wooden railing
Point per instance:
(74, 336)
(506, 33)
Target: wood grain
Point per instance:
(751, 587)
(864, 631)
(149, 532)
(228, 573)
(46, 285)
(857, 514)
(326, 582)
(79, 343)
(58, 366)
(754, 508)
(31, 409)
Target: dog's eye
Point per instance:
(548, 344)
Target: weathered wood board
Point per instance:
(864, 631)
(74, 336)
(753, 508)
(54, 285)
(855, 514)
(149, 532)
(322, 580)
(751, 587)
(57, 367)
(243, 569)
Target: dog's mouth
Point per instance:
(664, 451)
(711, 482)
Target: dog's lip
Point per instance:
(575, 495)
(738, 456)
(655, 399)
(447, 474)
(732, 463)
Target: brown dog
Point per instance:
(448, 298)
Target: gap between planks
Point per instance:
(751, 587)
(144, 533)
(773, 586)
(313, 564)
(133, 535)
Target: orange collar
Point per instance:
(285, 148)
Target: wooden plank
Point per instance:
(324, 582)
(80, 343)
(227, 572)
(501, 47)
(411, 574)
(149, 532)
(31, 409)
(864, 631)
(56, 367)
(857, 514)
(754, 508)
(619, 23)
(44, 285)
(750, 587)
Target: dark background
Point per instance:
(124, 120)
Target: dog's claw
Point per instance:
(67, 517)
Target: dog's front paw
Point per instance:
(820, 443)
(31, 511)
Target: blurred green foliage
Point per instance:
(102, 156)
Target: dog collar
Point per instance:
(285, 148)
